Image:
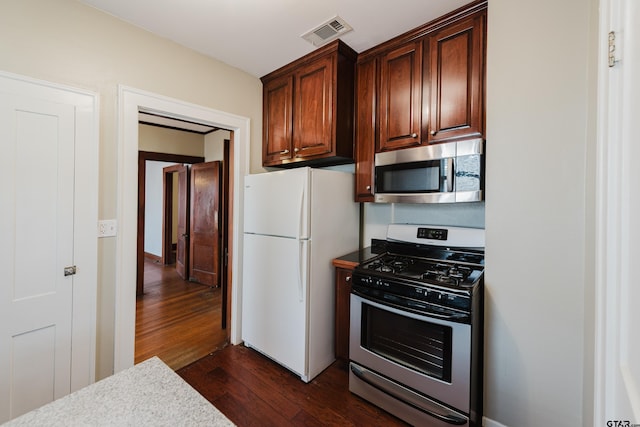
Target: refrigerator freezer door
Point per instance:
(274, 299)
(276, 203)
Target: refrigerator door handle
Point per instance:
(300, 212)
(298, 266)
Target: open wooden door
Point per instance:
(181, 172)
(204, 236)
(182, 254)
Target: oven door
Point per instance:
(425, 354)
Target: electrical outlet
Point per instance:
(107, 227)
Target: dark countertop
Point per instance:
(352, 260)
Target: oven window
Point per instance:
(416, 344)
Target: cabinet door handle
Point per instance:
(347, 279)
(414, 135)
(368, 187)
(433, 132)
(295, 150)
(284, 152)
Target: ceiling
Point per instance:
(259, 36)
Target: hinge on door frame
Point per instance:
(226, 256)
(612, 49)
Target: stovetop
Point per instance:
(425, 265)
(436, 271)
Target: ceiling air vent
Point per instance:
(332, 29)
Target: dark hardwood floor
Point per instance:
(252, 390)
(176, 320)
(179, 322)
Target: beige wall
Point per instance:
(170, 141)
(214, 145)
(539, 206)
(66, 42)
(539, 212)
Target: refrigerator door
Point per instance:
(274, 299)
(276, 203)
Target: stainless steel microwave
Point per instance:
(440, 173)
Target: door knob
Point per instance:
(414, 135)
(433, 132)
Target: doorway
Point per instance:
(131, 102)
(181, 312)
(143, 158)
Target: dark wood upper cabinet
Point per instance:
(454, 81)
(277, 119)
(426, 86)
(400, 97)
(308, 109)
(366, 79)
(312, 105)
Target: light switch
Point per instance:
(107, 227)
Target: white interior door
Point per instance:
(38, 139)
(617, 380)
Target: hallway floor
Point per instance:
(176, 320)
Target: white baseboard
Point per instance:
(488, 422)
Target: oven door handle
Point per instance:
(423, 310)
(408, 396)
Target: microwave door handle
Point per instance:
(449, 175)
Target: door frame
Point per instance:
(143, 156)
(616, 382)
(167, 213)
(85, 239)
(130, 102)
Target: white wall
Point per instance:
(378, 215)
(153, 207)
(539, 219)
(67, 42)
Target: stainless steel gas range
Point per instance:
(417, 326)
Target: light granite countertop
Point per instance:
(148, 394)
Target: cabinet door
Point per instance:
(455, 76)
(277, 110)
(400, 97)
(343, 295)
(365, 129)
(313, 108)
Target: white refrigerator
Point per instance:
(295, 222)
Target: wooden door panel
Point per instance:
(277, 126)
(454, 81)
(312, 133)
(204, 237)
(366, 78)
(456, 78)
(400, 97)
(182, 253)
